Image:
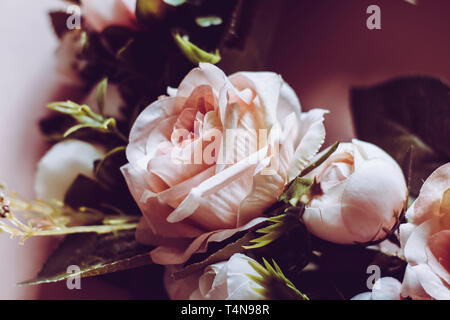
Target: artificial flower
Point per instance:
(425, 240)
(386, 288)
(61, 165)
(192, 182)
(363, 193)
(226, 280)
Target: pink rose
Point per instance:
(363, 191)
(100, 14)
(191, 183)
(226, 280)
(425, 240)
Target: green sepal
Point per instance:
(275, 285)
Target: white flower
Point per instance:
(221, 281)
(386, 288)
(60, 166)
(363, 188)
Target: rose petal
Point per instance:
(428, 203)
(206, 74)
(431, 283)
(369, 207)
(312, 133)
(267, 86)
(438, 253)
(411, 286)
(386, 288)
(177, 255)
(145, 123)
(415, 248)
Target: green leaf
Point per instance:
(107, 170)
(86, 192)
(275, 285)
(101, 95)
(86, 119)
(404, 113)
(208, 21)
(297, 191)
(278, 226)
(94, 254)
(194, 53)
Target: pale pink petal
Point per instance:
(213, 282)
(438, 253)
(363, 296)
(288, 103)
(431, 283)
(367, 151)
(326, 223)
(411, 286)
(415, 248)
(373, 194)
(172, 172)
(405, 231)
(239, 285)
(145, 235)
(156, 214)
(176, 194)
(205, 74)
(243, 171)
(177, 255)
(267, 86)
(386, 288)
(145, 123)
(312, 133)
(428, 203)
(268, 186)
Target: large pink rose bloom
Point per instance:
(364, 192)
(100, 14)
(425, 240)
(227, 185)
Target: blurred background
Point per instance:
(322, 48)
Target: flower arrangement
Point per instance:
(223, 180)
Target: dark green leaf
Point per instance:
(95, 255)
(108, 171)
(193, 53)
(86, 192)
(404, 113)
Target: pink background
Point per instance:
(322, 49)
